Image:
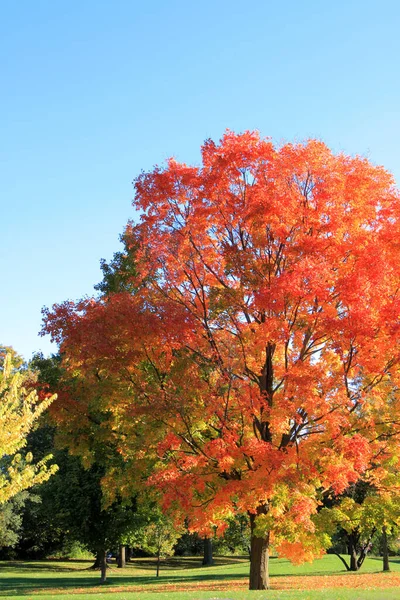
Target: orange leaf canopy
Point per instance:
(263, 336)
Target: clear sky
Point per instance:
(94, 91)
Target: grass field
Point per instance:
(186, 579)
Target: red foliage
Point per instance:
(263, 338)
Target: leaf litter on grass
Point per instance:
(358, 581)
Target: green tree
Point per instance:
(11, 519)
(119, 274)
(358, 520)
(71, 509)
(158, 536)
(77, 497)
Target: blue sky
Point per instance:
(92, 92)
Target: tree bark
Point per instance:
(363, 556)
(97, 562)
(208, 560)
(385, 550)
(158, 564)
(259, 576)
(121, 557)
(353, 556)
(103, 567)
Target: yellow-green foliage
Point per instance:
(19, 409)
(378, 510)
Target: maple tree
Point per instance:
(20, 407)
(262, 322)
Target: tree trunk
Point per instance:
(365, 549)
(158, 564)
(121, 557)
(97, 562)
(208, 560)
(343, 561)
(103, 567)
(259, 576)
(353, 557)
(385, 550)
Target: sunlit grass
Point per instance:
(186, 579)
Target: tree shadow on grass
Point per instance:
(27, 586)
(13, 585)
(24, 586)
(184, 563)
(44, 566)
(392, 559)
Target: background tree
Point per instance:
(71, 509)
(11, 520)
(20, 407)
(78, 496)
(259, 329)
(370, 509)
(158, 536)
(359, 523)
(236, 538)
(366, 512)
(17, 361)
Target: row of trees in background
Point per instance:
(242, 354)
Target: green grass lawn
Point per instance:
(61, 580)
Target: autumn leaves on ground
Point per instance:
(236, 376)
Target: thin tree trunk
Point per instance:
(121, 557)
(385, 550)
(362, 557)
(259, 576)
(208, 560)
(343, 561)
(158, 564)
(365, 549)
(103, 567)
(353, 557)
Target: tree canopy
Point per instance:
(20, 407)
(258, 337)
